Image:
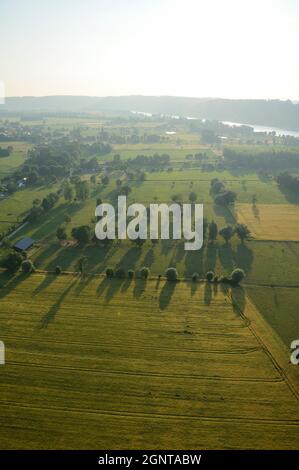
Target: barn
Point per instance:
(24, 244)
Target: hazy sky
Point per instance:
(224, 48)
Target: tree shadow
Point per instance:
(256, 211)
(149, 258)
(225, 254)
(102, 286)
(166, 294)
(139, 288)
(9, 282)
(243, 257)
(289, 195)
(207, 293)
(238, 299)
(113, 287)
(194, 287)
(226, 213)
(51, 314)
(211, 256)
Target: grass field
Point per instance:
(111, 364)
(270, 221)
(279, 306)
(17, 157)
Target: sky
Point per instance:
(200, 48)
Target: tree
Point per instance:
(105, 179)
(61, 233)
(195, 277)
(32, 177)
(130, 274)
(225, 198)
(12, 261)
(27, 266)
(124, 190)
(82, 190)
(226, 233)
(192, 196)
(217, 186)
(109, 273)
(171, 274)
(213, 231)
(68, 193)
(210, 276)
(58, 270)
(81, 234)
(35, 213)
(145, 272)
(93, 179)
(237, 276)
(242, 232)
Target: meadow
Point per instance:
(92, 363)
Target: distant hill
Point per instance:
(276, 113)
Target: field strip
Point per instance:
(272, 345)
(147, 374)
(236, 419)
(135, 346)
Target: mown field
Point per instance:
(92, 363)
(270, 221)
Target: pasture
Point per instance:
(92, 363)
(16, 159)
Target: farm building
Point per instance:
(24, 244)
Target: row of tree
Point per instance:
(221, 195)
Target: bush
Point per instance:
(12, 261)
(210, 276)
(58, 270)
(195, 277)
(109, 272)
(237, 275)
(27, 266)
(120, 273)
(130, 274)
(145, 273)
(171, 274)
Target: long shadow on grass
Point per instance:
(243, 257)
(139, 288)
(51, 314)
(238, 299)
(113, 287)
(166, 294)
(226, 213)
(10, 281)
(208, 293)
(225, 254)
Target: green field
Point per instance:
(17, 157)
(109, 364)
